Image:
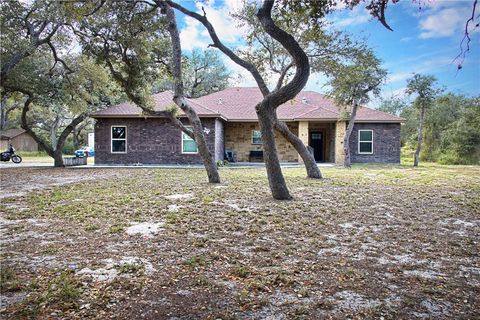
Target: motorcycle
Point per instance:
(10, 154)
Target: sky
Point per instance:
(426, 39)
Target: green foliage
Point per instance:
(393, 105)
(172, 108)
(451, 132)
(204, 73)
(196, 261)
(64, 289)
(325, 44)
(130, 268)
(130, 39)
(424, 87)
(117, 228)
(241, 271)
(8, 280)
(353, 81)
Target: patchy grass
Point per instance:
(8, 280)
(367, 242)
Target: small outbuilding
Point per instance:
(19, 138)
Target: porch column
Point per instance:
(340, 128)
(303, 135)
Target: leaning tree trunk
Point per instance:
(347, 163)
(179, 97)
(313, 171)
(55, 153)
(271, 99)
(419, 141)
(58, 158)
(276, 180)
(3, 113)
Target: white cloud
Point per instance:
(399, 76)
(356, 16)
(427, 65)
(190, 37)
(194, 34)
(444, 23)
(240, 76)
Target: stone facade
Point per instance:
(386, 143)
(340, 128)
(238, 137)
(149, 141)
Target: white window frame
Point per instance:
(188, 138)
(371, 141)
(118, 139)
(257, 143)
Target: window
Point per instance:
(188, 144)
(256, 137)
(119, 139)
(365, 141)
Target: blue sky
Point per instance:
(425, 40)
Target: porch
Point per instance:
(244, 140)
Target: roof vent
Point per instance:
(304, 100)
(220, 101)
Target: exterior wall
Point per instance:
(149, 141)
(3, 145)
(238, 137)
(22, 142)
(303, 134)
(219, 140)
(386, 143)
(340, 129)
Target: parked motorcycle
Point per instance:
(10, 154)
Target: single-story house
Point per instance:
(19, 138)
(125, 135)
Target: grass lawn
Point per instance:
(371, 242)
(42, 157)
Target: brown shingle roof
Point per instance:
(238, 104)
(11, 133)
(162, 101)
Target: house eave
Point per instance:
(317, 120)
(136, 116)
(380, 121)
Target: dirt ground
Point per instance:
(374, 242)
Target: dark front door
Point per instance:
(316, 142)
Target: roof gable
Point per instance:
(162, 101)
(11, 133)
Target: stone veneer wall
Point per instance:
(238, 137)
(386, 143)
(149, 141)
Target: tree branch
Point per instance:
(24, 124)
(219, 45)
(283, 75)
(300, 59)
(461, 56)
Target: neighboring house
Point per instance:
(124, 135)
(19, 138)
